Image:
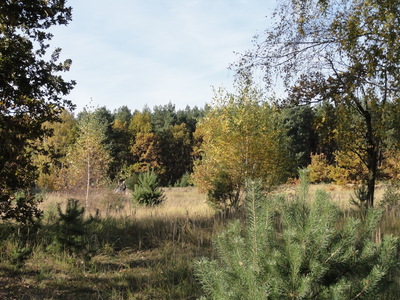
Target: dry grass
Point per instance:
(340, 194)
(140, 252)
(180, 202)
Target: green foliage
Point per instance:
(295, 249)
(147, 191)
(298, 124)
(240, 139)
(131, 181)
(21, 207)
(19, 255)
(361, 196)
(89, 158)
(223, 194)
(31, 91)
(71, 228)
(391, 197)
(184, 181)
(176, 147)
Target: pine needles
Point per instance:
(298, 249)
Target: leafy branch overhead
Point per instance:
(31, 89)
(342, 52)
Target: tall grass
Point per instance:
(135, 252)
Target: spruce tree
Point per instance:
(298, 249)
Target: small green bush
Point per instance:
(223, 195)
(147, 190)
(184, 181)
(391, 197)
(131, 181)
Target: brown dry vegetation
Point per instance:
(137, 252)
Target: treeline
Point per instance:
(99, 147)
(248, 136)
(241, 135)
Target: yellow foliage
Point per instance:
(239, 139)
(391, 164)
(319, 170)
(147, 153)
(349, 168)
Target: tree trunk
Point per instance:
(372, 159)
(88, 181)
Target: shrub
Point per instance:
(391, 164)
(147, 190)
(184, 181)
(297, 250)
(391, 197)
(131, 181)
(223, 195)
(319, 168)
(349, 168)
(361, 197)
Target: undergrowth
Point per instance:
(134, 253)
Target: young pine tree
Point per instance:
(71, 227)
(295, 249)
(147, 190)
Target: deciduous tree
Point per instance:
(345, 52)
(31, 93)
(57, 146)
(89, 159)
(240, 140)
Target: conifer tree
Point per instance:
(147, 191)
(295, 249)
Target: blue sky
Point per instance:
(152, 52)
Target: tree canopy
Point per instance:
(240, 140)
(31, 90)
(344, 52)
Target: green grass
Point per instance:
(133, 252)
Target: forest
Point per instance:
(257, 195)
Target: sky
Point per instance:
(153, 52)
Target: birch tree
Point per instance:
(344, 52)
(89, 158)
(240, 140)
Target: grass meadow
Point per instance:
(129, 251)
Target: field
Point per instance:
(131, 252)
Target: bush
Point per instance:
(391, 197)
(349, 168)
(222, 195)
(319, 168)
(184, 181)
(147, 190)
(297, 250)
(131, 181)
